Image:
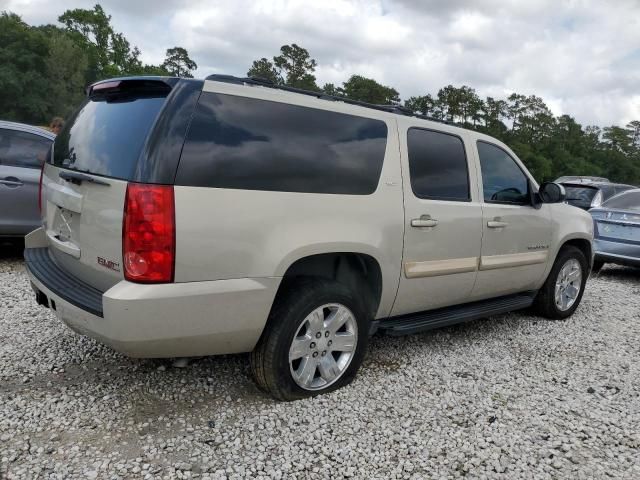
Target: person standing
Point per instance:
(56, 125)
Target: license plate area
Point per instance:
(63, 231)
(66, 225)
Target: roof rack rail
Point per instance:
(265, 82)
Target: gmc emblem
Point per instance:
(111, 265)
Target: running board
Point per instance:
(442, 317)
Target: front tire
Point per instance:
(562, 291)
(314, 342)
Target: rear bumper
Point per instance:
(616, 252)
(164, 320)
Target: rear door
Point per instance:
(84, 186)
(21, 158)
(515, 235)
(443, 219)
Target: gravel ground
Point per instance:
(513, 396)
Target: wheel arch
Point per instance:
(360, 272)
(581, 241)
(582, 244)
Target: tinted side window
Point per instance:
(437, 165)
(502, 179)
(22, 149)
(245, 143)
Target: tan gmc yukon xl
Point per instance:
(186, 218)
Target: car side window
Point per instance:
(437, 165)
(503, 180)
(22, 149)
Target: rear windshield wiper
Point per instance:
(78, 178)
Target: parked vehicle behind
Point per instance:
(23, 149)
(185, 218)
(591, 194)
(617, 230)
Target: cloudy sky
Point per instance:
(582, 57)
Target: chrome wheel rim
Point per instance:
(568, 284)
(323, 346)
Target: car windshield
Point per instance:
(624, 201)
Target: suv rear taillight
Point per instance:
(148, 233)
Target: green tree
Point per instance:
(296, 67)
(617, 138)
(66, 65)
(331, 89)
(178, 63)
(423, 105)
(265, 69)
(109, 53)
(448, 100)
(493, 113)
(24, 90)
(634, 133)
(368, 90)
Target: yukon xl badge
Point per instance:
(537, 247)
(110, 264)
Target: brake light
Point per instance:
(148, 233)
(40, 188)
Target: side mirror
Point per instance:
(550, 192)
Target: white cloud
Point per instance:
(582, 57)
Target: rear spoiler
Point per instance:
(145, 85)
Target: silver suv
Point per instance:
(187, 218)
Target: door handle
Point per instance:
(424, 221)
(497, 223)
(11, 182)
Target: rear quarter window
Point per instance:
(245, 143)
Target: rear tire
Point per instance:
(304, 351)
(556, 299)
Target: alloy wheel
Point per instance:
(323, 346)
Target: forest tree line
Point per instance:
(45, 69)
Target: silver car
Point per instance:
(23, 149)
(617, 230)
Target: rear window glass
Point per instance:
(580, 195)
(105, 136)
(244, 143)
(624, 201)
(437, 165)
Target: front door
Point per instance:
(443, 220)
(515, 235)
(21, 157)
